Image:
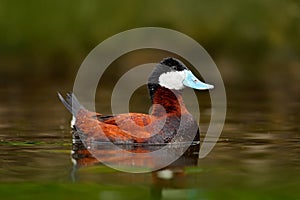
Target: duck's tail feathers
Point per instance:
(71, 103)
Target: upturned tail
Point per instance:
(71, 103)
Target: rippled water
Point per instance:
(257, 156)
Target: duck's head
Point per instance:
(172, 74)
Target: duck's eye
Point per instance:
(174, 67)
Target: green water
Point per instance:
(257, 156)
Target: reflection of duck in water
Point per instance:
(171, 178)
(101, 153)
(168, 118)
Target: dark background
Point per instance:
(252, 41)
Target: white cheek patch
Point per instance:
(172, 80)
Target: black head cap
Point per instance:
(166, 65)
(173, 63)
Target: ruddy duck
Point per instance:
(168, 119)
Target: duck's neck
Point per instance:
(166, 101)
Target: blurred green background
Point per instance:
(50, 39)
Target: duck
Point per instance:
(169, 120)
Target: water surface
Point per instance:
(257, 156)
